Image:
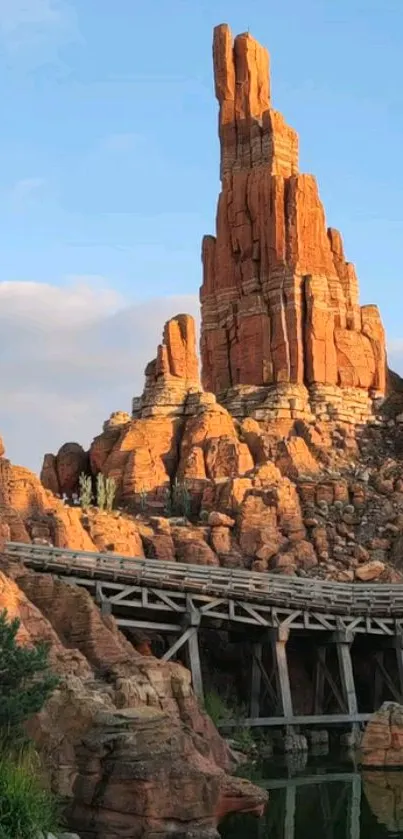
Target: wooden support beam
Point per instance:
(279, 646)
(195, 668)
(319, 681)
(256, 680)
(303, 719)
(343, 643)
(378, 681)
(178, 643)
(384, 675)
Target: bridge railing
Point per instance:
(273, 589)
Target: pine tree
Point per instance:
(26, 681)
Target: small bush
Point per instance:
(26, 809)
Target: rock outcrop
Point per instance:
(124, 741)
(382, 742)
(282, 329)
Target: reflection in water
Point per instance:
(326, 801)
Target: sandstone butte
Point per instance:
(279, 302)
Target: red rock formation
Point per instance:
(173, 374)
(124, 741)
(60, 473)
(382, 742)
(279, 301)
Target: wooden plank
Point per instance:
(159, 627)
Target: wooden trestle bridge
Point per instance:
(178, 600)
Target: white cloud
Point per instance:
(70, 356)
(32, 31)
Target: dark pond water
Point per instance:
(322, 798)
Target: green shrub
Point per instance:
(25, 807)
(26, 681)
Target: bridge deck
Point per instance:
(171, 597)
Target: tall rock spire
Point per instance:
(279, 301)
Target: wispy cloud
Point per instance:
(32, 31)
(24, 191)
(70, 355)
(123, 142)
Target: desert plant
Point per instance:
(168, 510)
(85, 484)
(26, 809)
(110, 492)
(101, 491)
(180, 499)
(26, 681)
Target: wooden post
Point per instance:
(279, 642)
(193, 618)
(344, 641)
(378, 680)
(256, 680)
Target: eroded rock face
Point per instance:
(279, 301)
(382, 742)
(173, 374)
(123, 738)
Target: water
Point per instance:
(322, 798)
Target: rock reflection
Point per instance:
(384, 794)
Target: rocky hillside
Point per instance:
(123, 739)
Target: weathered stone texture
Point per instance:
(279, 301)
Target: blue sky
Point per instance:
(109, 176)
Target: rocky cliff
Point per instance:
(123, 739)
(279, 302)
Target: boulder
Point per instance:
(382, 741)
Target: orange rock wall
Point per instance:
(279, 301)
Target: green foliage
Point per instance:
(101, 494)
(168, 510)
(26, 809)
(222, 710)
(217, 708)
(85, 484)
(26, 681)
(110, 492)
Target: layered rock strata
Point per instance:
(282, 329)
